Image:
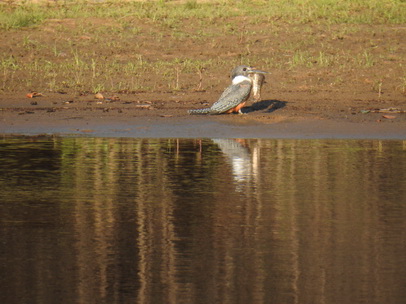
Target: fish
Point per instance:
(258, 80)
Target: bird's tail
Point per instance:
(201, 111)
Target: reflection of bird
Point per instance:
(235, 96)
(239, 157)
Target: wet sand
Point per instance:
(230, 126)
(164, 115)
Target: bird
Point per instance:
(235, 95)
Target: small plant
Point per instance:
(323, 59)
(366, 59)
(402, 85)
(9, 67)
(377, 87)
(191, 4)
(299, 58)
(98, 88)
(9, 63)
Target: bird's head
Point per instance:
(245, 70)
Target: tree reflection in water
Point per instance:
(108, 220)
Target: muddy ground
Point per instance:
(361, 83)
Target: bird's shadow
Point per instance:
(268, 105)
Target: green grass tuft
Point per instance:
(290, 11)
(21, 17)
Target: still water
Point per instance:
(100, 220)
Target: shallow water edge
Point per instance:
(204, 127)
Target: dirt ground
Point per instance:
(370, 90)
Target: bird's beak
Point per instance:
(255, 71)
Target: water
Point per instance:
(98, 220)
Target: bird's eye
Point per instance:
(244, 69)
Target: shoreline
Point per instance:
(200, 127)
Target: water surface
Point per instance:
(116, 220)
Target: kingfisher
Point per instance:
(234, 96)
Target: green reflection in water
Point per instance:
(202, 221)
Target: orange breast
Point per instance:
(236, 109)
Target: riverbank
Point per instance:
(77, 66)
(274, 119)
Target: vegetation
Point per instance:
(145, 45)
(166, 12)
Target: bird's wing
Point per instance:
(232, 97)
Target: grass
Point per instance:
(84, 73)
(21, 16)
(168, 14)
(106, 47)
(366, 59)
